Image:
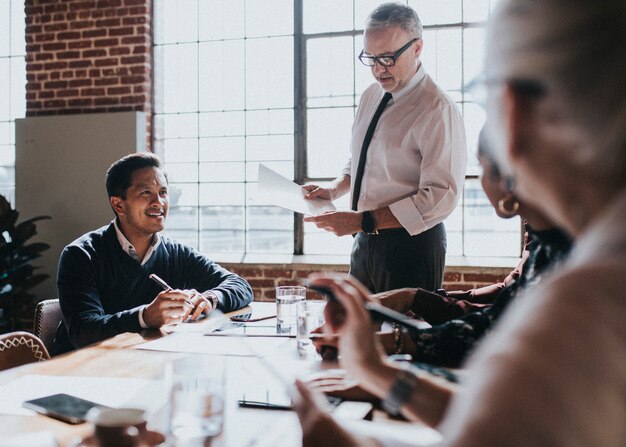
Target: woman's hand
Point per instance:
(360, 349)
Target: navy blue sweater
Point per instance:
(101, 288)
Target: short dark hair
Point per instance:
(120, 172)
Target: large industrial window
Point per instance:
(238, 82)
(12, 88)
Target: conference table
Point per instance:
(129, 356)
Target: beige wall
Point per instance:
(60, 167)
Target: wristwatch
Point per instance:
(400, 393)
(212, 298)
(368, 225)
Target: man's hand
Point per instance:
(341, 223)
(174, 306)
(317, 192)
(169, 306)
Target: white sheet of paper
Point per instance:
(395, 433)
(35, 439)
(195, 343)
(281, 191)
(110, 391)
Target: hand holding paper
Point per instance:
(284, 193)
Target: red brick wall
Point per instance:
(87, 56)
(265, 277)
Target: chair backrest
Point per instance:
(47, 319)
(20, 348)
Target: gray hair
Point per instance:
(576, 51)
(395, 14)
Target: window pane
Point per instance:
(270, 147)
(5, 103)
(337, 16)
(222, 149)
(442, 57)
(261, 18)
(222, 172)
(219, 124)
(476, 10)
(474, 118)
(222, 89)
(270, 230)
(330, 64)
(362, 8)
(485, 233)
(18, 17)
(18, 87)
(269, 63)
(183, 194)
(5, 29)
(180, 72)
(263, 122)
(221, 19)
(182, 172)
(328, 140)
(182, 225)
(222, 229)
(454, 231)
(438, 12)
(180, 150)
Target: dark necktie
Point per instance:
(366, 143)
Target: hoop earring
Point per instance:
(508, 212)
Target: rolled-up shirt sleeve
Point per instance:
(442, 173)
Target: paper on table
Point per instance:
(195, 343)
(36, 439)
(281, 191)
(110, 391)
(395, 433)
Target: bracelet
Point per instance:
(398, 339)
(400, 392)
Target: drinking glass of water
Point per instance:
(287, 300)
(196, 400)
(310, 316)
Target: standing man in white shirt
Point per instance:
(408, 162)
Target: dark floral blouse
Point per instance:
(448, 344)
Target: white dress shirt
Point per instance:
(130, 251)
(553, 373)
(417, 157)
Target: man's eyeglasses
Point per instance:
(385, 61)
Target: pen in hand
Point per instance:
(165, 286)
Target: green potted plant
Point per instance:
(17, 274)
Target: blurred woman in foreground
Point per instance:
(554, 370)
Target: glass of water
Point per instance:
(288, 298)
(196, 400)
(310, 316)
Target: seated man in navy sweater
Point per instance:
(103, 279)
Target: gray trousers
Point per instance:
(394, 259)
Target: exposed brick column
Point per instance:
(265, 277)
(88, 56)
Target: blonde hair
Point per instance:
(576, 50)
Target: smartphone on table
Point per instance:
(250, 317)
(66, 408)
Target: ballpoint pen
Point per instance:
(165, 286)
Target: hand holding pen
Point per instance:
(170, 306)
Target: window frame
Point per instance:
(300, 111)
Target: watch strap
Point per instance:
(400, 392)
(368, 224)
